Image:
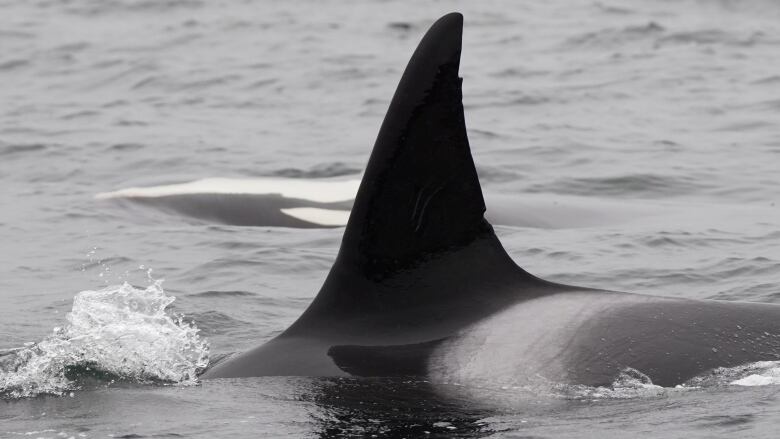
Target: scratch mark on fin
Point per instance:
(425, 206)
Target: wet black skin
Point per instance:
(419, 264)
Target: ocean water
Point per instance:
(667, 106)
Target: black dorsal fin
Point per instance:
(417, 232)
(420, 193)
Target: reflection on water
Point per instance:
(392, 408)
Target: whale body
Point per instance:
(422, 286)
(272, 202)
(326, 202)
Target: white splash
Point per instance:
(630, 383)
(119, 331)
(761, 373)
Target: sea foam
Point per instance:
(117, 333)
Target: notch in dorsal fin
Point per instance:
(420, 193)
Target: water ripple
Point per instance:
(634, 185)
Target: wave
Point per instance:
(632, 383)
(119, 333)
(761, 373)
(629, 384)
(628, 185)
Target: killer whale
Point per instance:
(270, 202)
(326, 202)
(421, 285)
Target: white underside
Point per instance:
(320, 191)
(314, 215)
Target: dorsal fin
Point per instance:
(417, 232)
(420, 193)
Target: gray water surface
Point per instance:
(671, 106)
